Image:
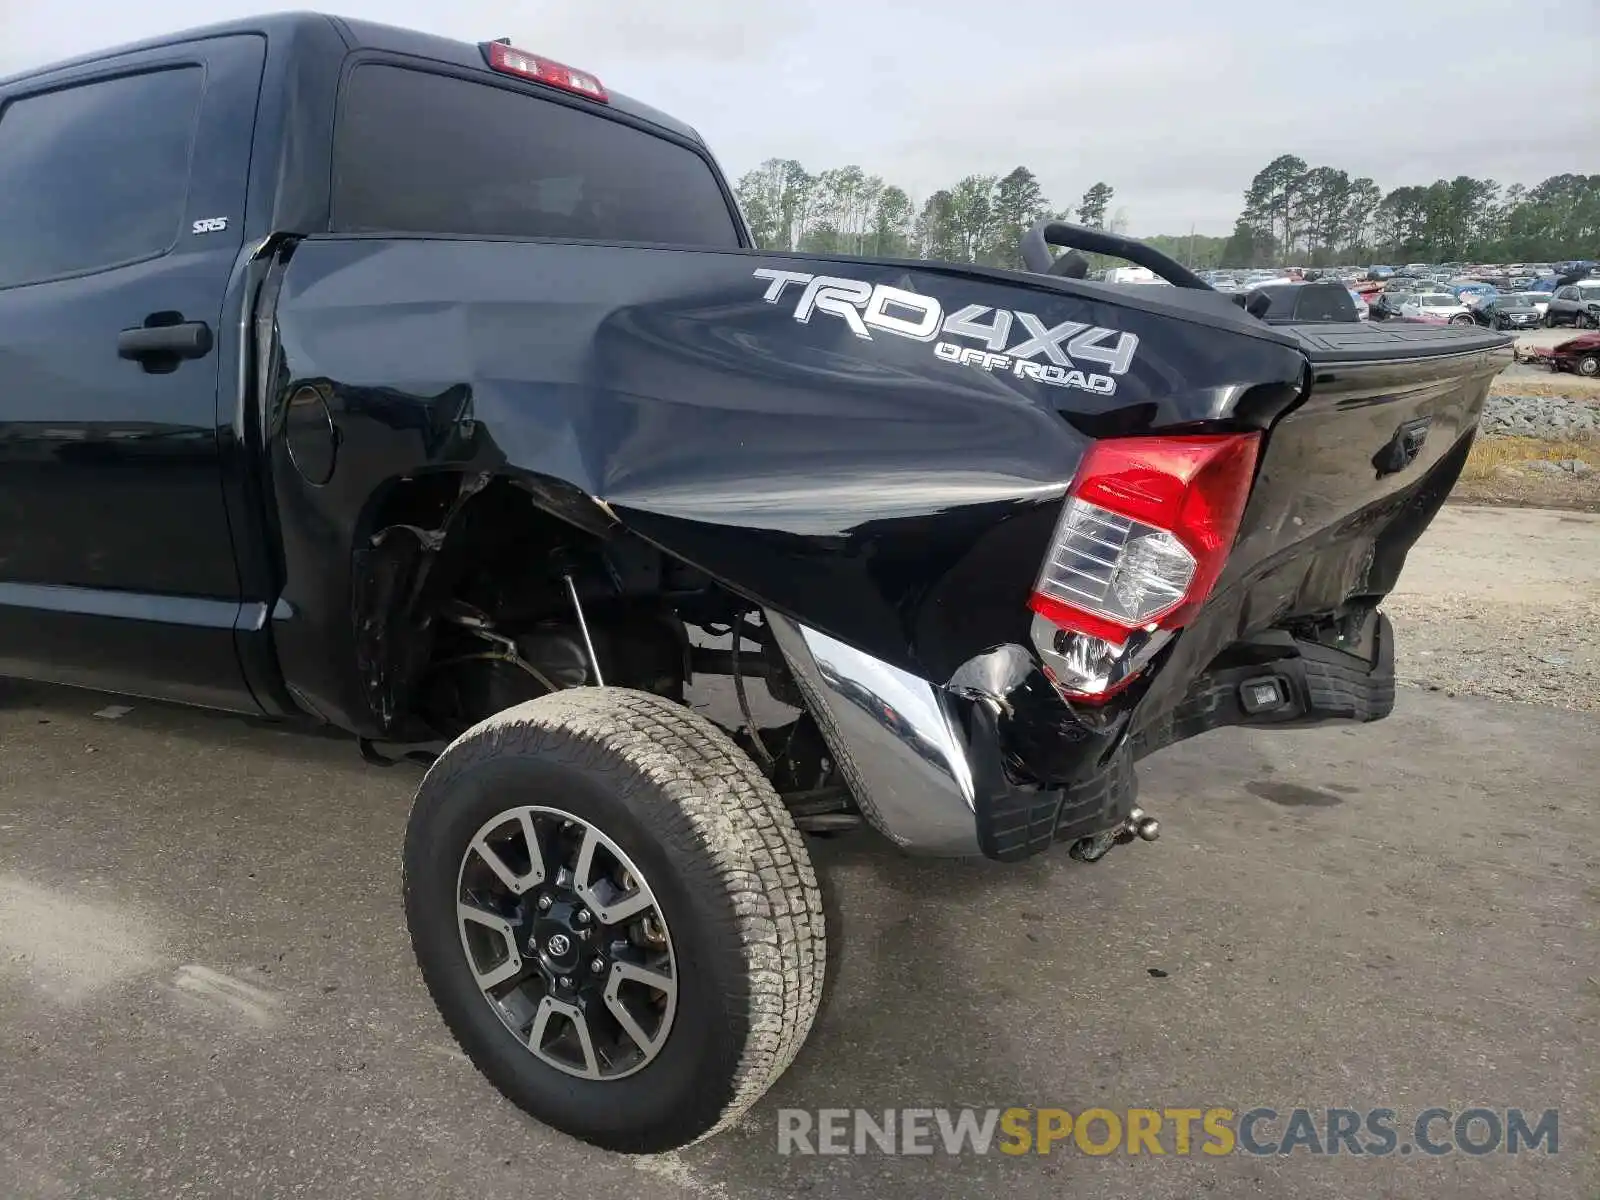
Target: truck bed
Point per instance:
(898, 500)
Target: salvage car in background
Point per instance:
(1575, 304)
(1471, 291)
(1538, 301)
(1580, 355)
(1436, 306)
(1506, 312)
(1386, 306)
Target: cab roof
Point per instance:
(363, 35)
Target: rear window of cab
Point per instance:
(417, 152)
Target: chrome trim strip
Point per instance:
(196, 611)
(893, 737)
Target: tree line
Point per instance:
(843, 210)
(1292, 213)
(1321, 216)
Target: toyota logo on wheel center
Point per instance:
(559, 944)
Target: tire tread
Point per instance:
(717, 799)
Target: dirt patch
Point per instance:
(1503, 603)
(1545, 384)
(215, 993)
(66, 946)
(1500, 471)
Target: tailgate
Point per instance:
(1347, 481)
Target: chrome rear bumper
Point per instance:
(995, 764)
(894, 737)
(944, 770)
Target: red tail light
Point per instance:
(508, 60)
(1144, 534)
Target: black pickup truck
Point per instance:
(432, 391)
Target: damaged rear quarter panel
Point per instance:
(896, 500)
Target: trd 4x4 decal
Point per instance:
(866, 307)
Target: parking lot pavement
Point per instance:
(206, 987)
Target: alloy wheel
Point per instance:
(567, 942)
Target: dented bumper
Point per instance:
(1006, 769)
(894, 737)
(935, 770)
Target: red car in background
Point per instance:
(1580, 355)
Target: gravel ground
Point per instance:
(1554, 417)
(1504, 603)
(1533, 401)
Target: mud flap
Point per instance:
(1017, 820)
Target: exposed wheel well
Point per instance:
(472, 595)
(457, 567)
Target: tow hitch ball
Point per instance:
(1139, 824)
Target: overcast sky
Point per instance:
(1175, 103)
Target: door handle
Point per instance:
(162, 347)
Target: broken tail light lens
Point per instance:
(508, 60)
(1143, 536)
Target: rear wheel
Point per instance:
(1588, 365)
(1461, 319)
(615, 915)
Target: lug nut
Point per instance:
(598, 966)
(544, 903)
(583, 916)
(565, 981)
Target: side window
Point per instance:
(95, 175)
(1567, 293)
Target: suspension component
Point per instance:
(583, 628)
